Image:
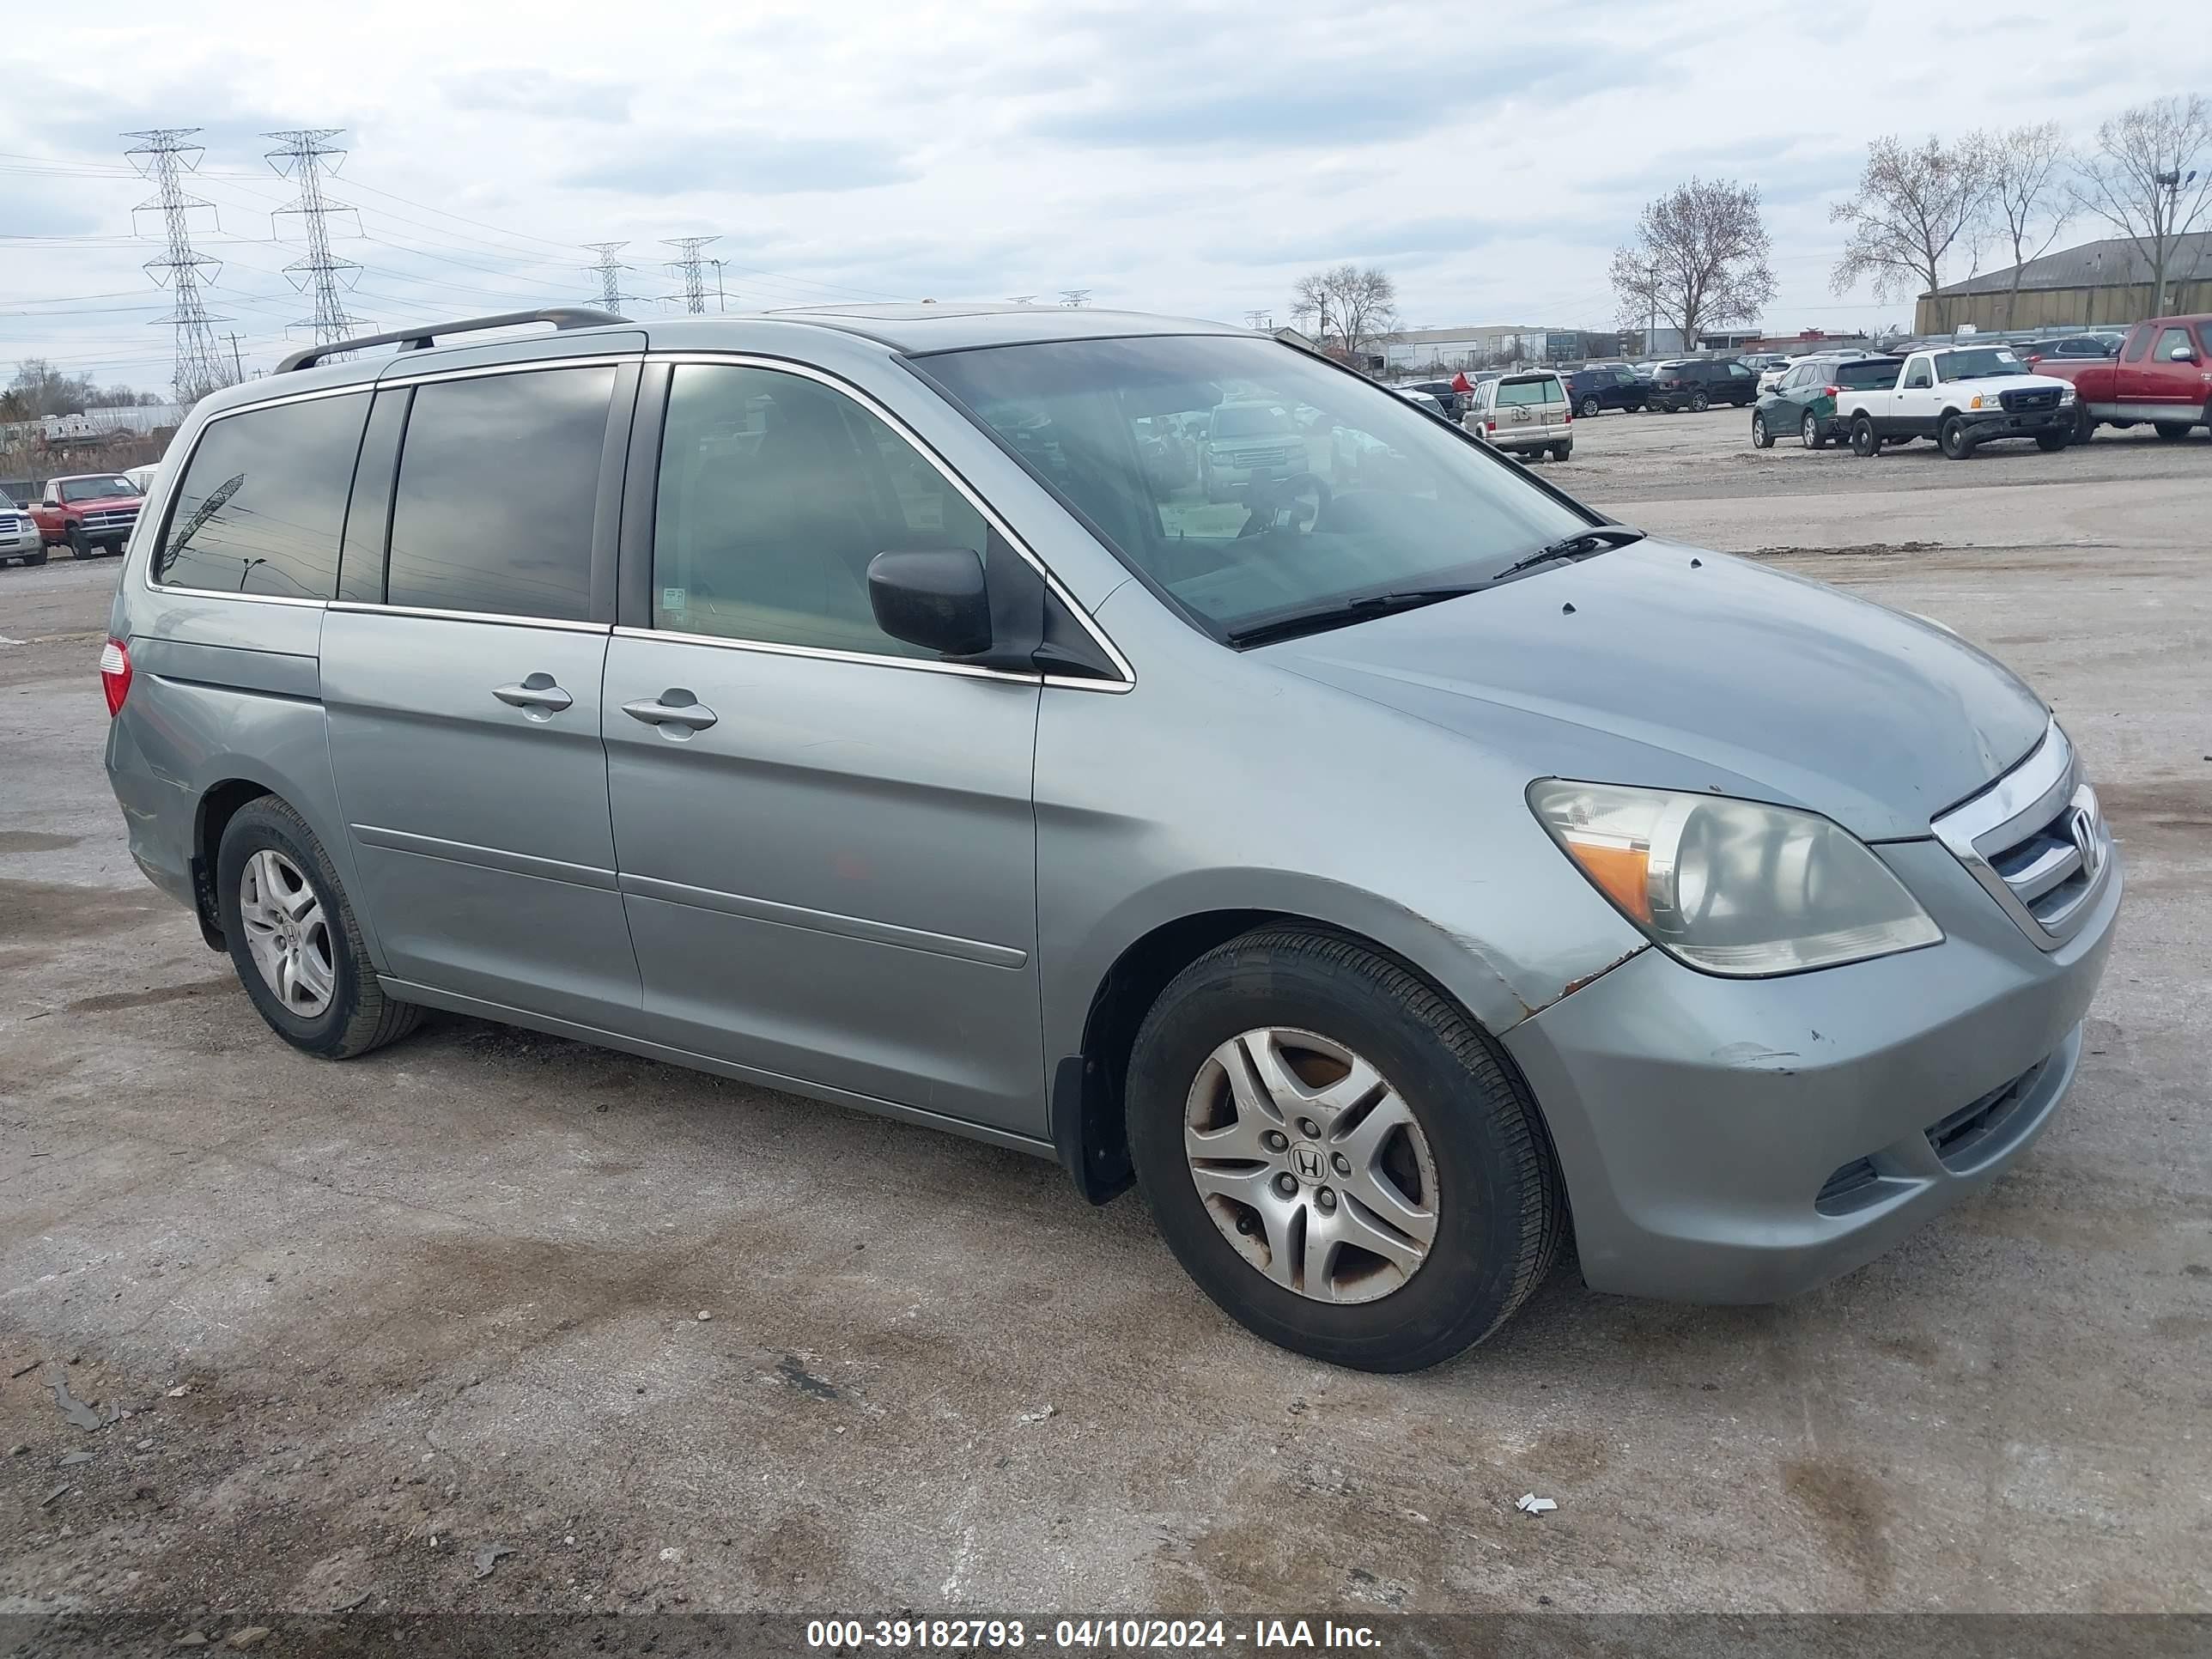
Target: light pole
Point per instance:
(721, 302)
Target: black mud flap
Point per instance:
(1087, 1134)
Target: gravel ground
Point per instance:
(679, 1342)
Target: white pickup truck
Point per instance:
(1961, 396)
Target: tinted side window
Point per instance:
(2136, 345)
(498, 480)
(775, 491)
(261, 504)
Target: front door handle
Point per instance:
(536, 696)
(674, 707)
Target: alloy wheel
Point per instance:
(1311, 1164)
(1810, 432)
(287, 933)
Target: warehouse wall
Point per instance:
(2049, 307)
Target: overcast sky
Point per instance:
(1177, 157)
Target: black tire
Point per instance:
(39, 557)
(1562, 452)
(2051, 442)
(79, 548)
(2085, 424)
(1951, 438)
(2171, 431)
(1589, 409)
(1811, 433)
(1699, 403)
(1760, 437)
(359, 1017)
(1863, 442)
(1500, 1211)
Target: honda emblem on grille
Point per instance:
(2082, 827)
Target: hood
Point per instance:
(1638, 667)
(100, 504)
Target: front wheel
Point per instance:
(1760, 437)
(2085, 424)
(1589, 408)
(2051, 442)
(1951, 438)
(1336, 1155)
(293, 940)
(2171, 431)
(1864, 442)
(39, 557)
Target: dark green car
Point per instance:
(1803, 402)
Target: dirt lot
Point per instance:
(370, 1318)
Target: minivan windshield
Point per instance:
(1368, 498)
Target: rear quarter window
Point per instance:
(1863, 377)
(263, 499)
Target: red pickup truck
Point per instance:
(2163, 376)
(92, 511)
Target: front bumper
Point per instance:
(1699, 1120)
(1984, 424)
(14, 544)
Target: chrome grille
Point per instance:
(2036, 840)
(111, 518)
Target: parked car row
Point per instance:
(1963, 397)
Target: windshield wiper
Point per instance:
(1348, 610)
(1582, 544)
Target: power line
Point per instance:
(319, 270)
(163, 155)
(609, 272)
(690, 267)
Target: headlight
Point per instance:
(2066, 395)
(1732, 886)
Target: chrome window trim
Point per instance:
(824, 653)
(945, 470)
(2024, 800)
(434, 613)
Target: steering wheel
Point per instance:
(1271, 499)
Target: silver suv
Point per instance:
(1379, 871)
(1525, 414)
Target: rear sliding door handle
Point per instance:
(674, 707)
(536, 696)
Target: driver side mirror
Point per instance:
(934, 597)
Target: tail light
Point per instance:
(1570, 411)
(115, 674)
(1831, 390)
(1490, 426)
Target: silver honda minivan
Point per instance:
(1388, 873)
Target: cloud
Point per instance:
(534, 92)
(746, 163)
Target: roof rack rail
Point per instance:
(421, 339)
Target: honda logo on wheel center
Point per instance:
(1310, 1163)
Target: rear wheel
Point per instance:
(1951, 438)
(2171, 431)
(293, 939)
(1561, 451)
(1760, 437)
(1699, 403)
(1337, 1155)
(1810, 435)
(1863, 442)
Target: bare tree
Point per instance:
(2151, 178)
(1699, 260)
(2025, 171)
(1359, 308)
(1914, 205)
